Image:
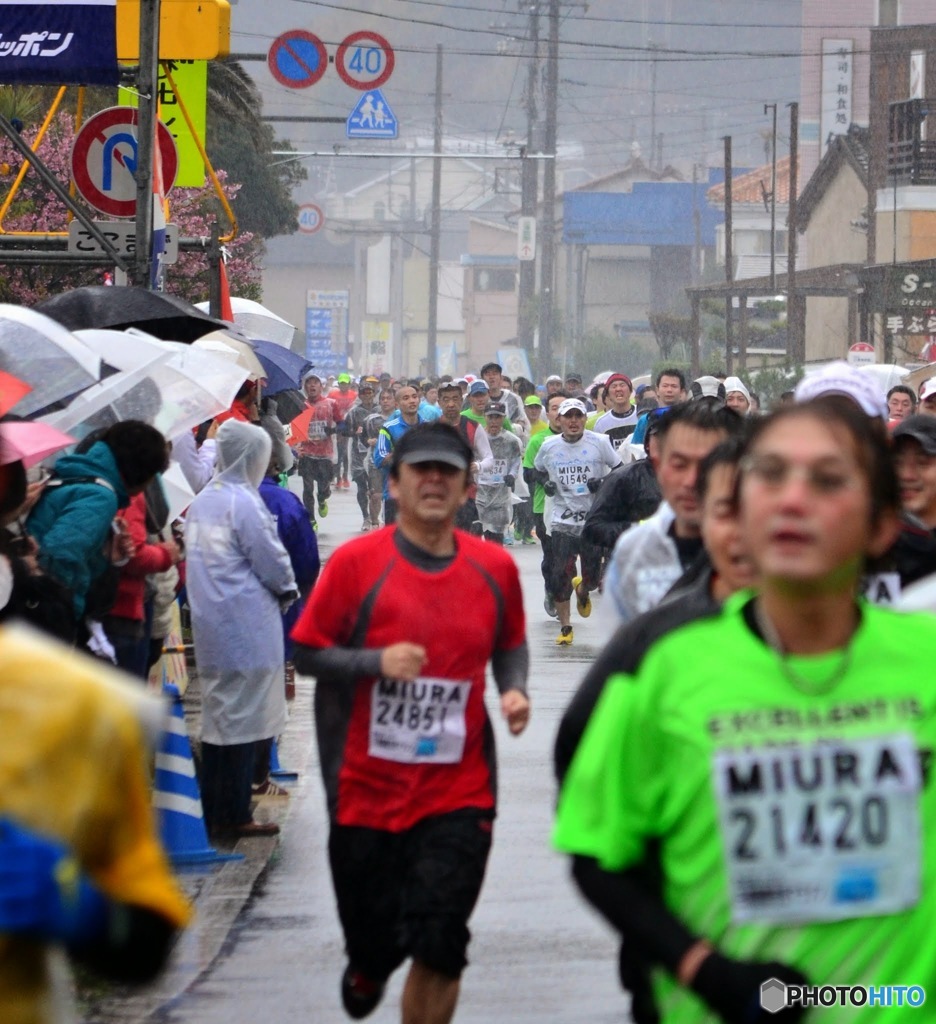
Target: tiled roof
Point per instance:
(751, 187)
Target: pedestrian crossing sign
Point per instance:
(372, 118)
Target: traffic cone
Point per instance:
(276, 771)
(176, 796)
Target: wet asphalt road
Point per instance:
(537, 953)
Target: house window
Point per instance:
(494, 279)
(888, 12)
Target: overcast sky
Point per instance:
(715, 62)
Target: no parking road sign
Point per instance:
(104, 159)
(364, 60)
(297, 59)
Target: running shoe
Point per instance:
(583, 605)
(508, 540)
(565, 637)
(323, 509)
(550, 607)
(268, 788)
(359, 994)
(365, 526)
(528, 539)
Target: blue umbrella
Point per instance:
(284, 368)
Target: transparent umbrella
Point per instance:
(179, 388)
(43, 354)
(885, 375)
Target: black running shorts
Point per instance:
(410, 894)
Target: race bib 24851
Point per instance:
(422, 722)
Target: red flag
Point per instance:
(227, 313)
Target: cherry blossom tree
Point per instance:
(35, 209)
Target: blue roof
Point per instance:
(654, 213)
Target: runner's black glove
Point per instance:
(549, 488)
(594, 484)
(732, 989)
(509, 481)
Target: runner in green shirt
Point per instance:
(772, 760)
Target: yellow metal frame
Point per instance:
(53, 109)
(14, 188)
(219, 191)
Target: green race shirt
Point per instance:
(529, 457)
(791, 799)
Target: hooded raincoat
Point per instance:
(238, 572)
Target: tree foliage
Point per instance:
(240, 141)
(673, 334)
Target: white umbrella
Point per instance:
(234, 350)
(256, 321)
(124, 350)
(178, 493)
(885, 375)
(178, 390)
(45, 355)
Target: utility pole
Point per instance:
(529, 187)
(652, 47)
(548, 258)
(436, 229)
(773, 199)
(796, 326)
(729, 257)
(147, 77)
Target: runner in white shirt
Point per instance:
(620, 417)
(574, 463)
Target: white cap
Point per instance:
(554, 376)
(840, 378)
(736, 384)
(568, 405)
(928, 389)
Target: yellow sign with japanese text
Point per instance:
(191, 80)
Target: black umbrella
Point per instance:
(289, 404)
(116, 307)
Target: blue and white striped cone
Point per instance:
(276, 770)
(176, 796)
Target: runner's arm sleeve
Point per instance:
(630, 901)
(383, 449)
(338, 662)
(482, 450)
(617, 656)
(511, 668)
(626, 900)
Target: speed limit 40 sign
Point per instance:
(364, 60)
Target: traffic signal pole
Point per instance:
(147, 79)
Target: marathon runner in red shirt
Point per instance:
(405, 741)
